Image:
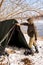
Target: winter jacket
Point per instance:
(31, 30)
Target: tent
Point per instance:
(11, 34)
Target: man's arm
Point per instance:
(24, 24)
(18, 24)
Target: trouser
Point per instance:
(32, 42)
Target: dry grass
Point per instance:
(26, 61)
(10, 51)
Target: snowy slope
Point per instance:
(17, 57)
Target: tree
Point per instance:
(20, 9)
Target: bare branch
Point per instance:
(17, 7)
(1, 2)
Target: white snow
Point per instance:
(15, 58)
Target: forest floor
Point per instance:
(17, 57)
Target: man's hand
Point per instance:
(18, 24)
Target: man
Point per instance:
(32, 33)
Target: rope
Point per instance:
(6, 35)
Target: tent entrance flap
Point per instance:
(18, 38)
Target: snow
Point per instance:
(17, 54)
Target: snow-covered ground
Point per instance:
(17, 57)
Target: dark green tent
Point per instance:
(11, 34)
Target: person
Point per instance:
(32, 33)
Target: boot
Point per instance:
(29, 51)
(36, 49)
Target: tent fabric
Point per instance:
(5, 29)
(11, 34)
(18, 38)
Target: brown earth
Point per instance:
(26, 61)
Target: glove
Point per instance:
(35, 38)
